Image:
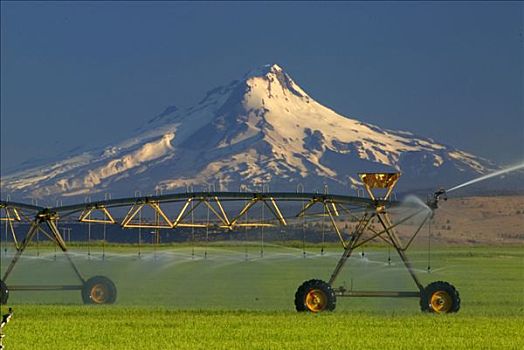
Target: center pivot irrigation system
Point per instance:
(313, 295)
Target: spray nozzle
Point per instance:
(433, 202)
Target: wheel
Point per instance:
(4, 293)
(440, 297)
(315, 296)
(99, 290)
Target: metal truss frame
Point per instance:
(365, 210)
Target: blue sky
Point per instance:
(76, 74)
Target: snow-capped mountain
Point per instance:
(262, 129)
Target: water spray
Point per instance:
(442, 193)
(488, 176)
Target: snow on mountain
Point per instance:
(262, 129)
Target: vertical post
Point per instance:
(303, 232)
(104, 241)
(37, 243)
(262, 234)
(192, 230)
(89, 240)
(429, 245)
(54, 246)
(245, 234)
(246, 249)
(300, 189)
(138, 194)
(88, 200)
(104, 229)
(155, 234)
(5, 242)
(140, 235)
(323, 229)
(207, 234)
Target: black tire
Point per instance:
(99, 290)
(315, 296)
(440, 297)
(4, 293)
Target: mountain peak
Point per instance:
(275, 74)
(274, 68)
(264, 70)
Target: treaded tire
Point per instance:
(99, 290)
(315, 288)
(4, 293)
(440, 297)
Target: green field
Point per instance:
(172, 300)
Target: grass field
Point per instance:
(177, 300)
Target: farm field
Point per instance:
(172, 299)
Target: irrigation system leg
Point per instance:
(30, 234)
(384, 221)
(35, 226)
(60, 242)
(355, 236)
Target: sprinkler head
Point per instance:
(433, 202)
